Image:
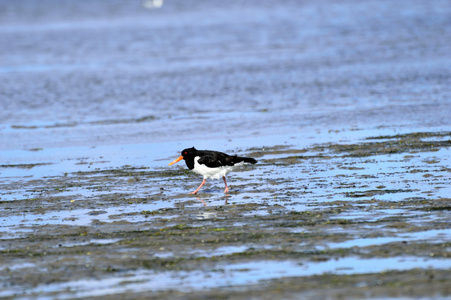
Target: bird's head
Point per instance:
(186, 153)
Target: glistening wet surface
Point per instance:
(345, 105)
(341, 209)
(230, 275)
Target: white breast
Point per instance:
(214, 173)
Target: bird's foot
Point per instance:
(226, 190)
(193, 193)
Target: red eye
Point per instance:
(185, 152)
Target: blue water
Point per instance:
(105, 85)
(85, 74)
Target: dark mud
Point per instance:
(363, 220)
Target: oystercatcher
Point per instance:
(211, 164)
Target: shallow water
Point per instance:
(436, 236)
(344, 104)
(231, 275)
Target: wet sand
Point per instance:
(345, 106)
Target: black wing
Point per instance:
(214, 159)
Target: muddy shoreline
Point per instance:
(331, 235)
(345, 104)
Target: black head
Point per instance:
(188, 155)
(189, 152)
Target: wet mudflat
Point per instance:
(369, 219)
(345, 105)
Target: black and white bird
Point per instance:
(211, 164)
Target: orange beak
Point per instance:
(177, 160)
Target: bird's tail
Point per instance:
(249, 160)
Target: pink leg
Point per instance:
(225, 182)
(195, 192)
